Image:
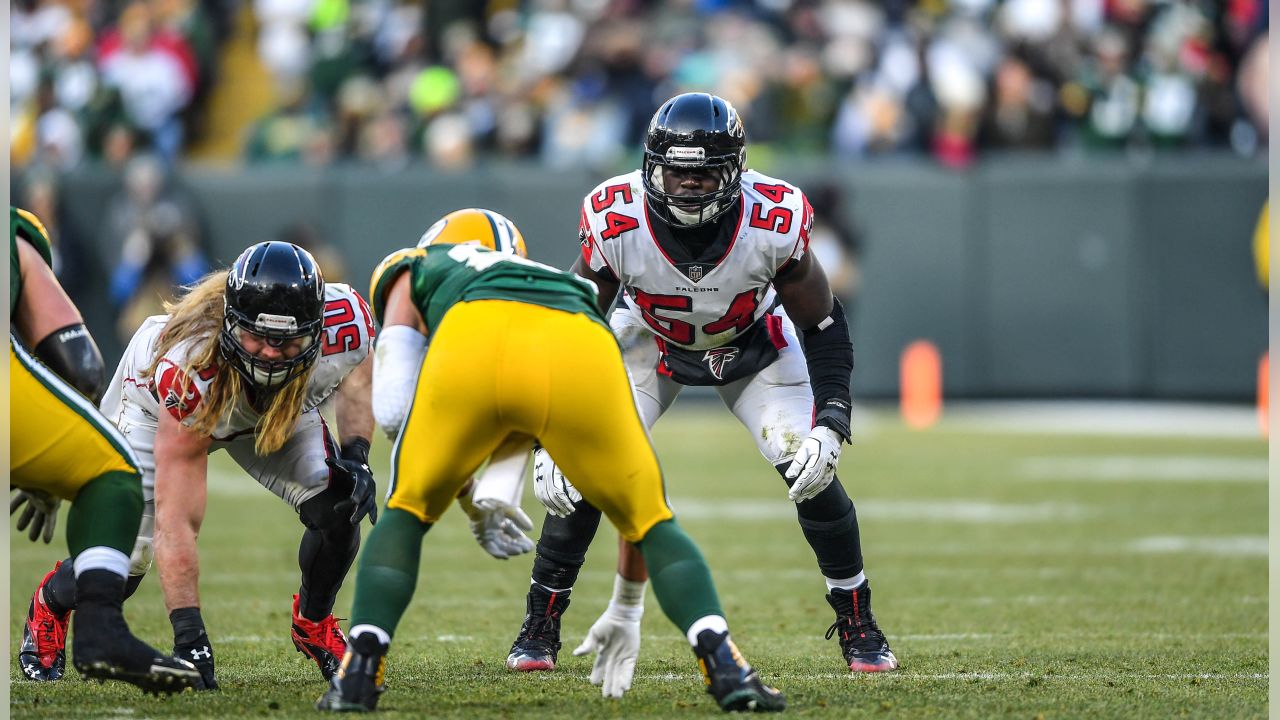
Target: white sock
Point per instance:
(102, 558)
(714, 623)
(549, 589)
(846, 583)
(383, 636)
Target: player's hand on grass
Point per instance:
(199, 652)
(500, 528)
(814, 466)
(40, 513)
(615, 636)
(550, 486)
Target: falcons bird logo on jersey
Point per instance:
(717, 358)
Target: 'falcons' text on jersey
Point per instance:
(708, 304)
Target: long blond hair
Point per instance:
(198, 316)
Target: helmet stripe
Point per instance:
(493, 227)
(501, 232)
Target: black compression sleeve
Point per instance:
(71, 353)
(829, 355)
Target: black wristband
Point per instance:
(357, 449)
(836, 416)
(188, 626)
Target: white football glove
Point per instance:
(616, 637)
(814, 466)
(500, 529)
(550, 486)
(41, 512)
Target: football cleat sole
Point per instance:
(747, 700)
(887, 663)
(529, 663)
(157, 679)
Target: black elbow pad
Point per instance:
(71, 353)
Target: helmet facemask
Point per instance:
(276, 331)
(692, 210)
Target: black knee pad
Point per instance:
(836, 543)
(830, 524)
(318, 512)
(832, 503)
(562, 547)
(328, 547)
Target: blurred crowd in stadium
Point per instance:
(572, 82)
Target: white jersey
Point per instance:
(134, 400)
(699, 305)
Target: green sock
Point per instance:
(106, 513)
(388, 570)
(681, 578)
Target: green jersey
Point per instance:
(442, 275)
(23, 224)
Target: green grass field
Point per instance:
(1021, 576)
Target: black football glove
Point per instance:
(41, 512)
(353, 467)
(191, 643)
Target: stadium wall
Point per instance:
(1084, 276)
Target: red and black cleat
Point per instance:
(321, 641)
(43, 655)
(864, 646)
(538, 643)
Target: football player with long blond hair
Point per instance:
(243, 362)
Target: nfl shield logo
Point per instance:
(695, 272)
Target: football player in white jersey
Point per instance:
(242, 362)
(720, 290)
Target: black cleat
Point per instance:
(730, 680)
(360, 679)
(538, 643)
(864, 646)
(104, 649)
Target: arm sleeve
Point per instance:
(71, 353)
(828, 352)
(396, 359)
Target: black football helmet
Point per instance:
(695, 130)
(274, 290)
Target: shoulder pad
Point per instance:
(25, 225)
(386, 272)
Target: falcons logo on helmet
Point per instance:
(717, 358)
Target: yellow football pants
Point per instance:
(501, 372)
(58, 441)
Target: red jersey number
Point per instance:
(778, 219)
(339, 314)
(677, 331)
(617, 224)
(739, 316)
(608, 196)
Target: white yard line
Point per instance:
(1238, 545)
(907, 676)
(1104, 417)
(1134, 468)
(957, 510)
